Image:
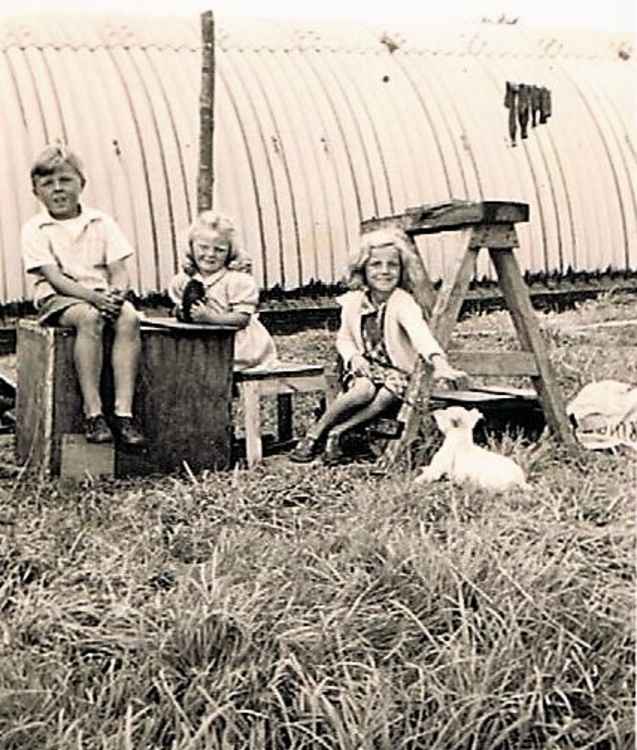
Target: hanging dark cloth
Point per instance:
(536, 98)
(511, 103)
(524, 108)
(545, 104)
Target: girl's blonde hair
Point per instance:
(411, 265)
(210, 222)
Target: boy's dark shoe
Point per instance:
(97, 430)
(127, 432)
(305, 450)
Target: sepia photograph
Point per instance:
(318, 375)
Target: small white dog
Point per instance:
(463, 461)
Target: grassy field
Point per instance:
(307, 607)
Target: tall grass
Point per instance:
(320, 608)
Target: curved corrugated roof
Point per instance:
(317, 127)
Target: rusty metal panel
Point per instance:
(319, 126)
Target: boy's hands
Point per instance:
(109, 303)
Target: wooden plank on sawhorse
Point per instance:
(491, 225)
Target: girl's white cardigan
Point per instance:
(406, 333)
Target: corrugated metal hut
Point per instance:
(318, 126)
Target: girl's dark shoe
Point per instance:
(97, 430)
(333, 452)
(127, 433)
(305, 450)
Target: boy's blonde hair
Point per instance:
(411, 265)
(210, 222)
(55, 156)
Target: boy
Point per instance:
(77, 256)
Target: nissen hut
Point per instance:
(320, 126)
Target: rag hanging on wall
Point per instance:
(526, 102)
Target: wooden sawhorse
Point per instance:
(491, 225)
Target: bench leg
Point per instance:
(284, 417)
(250, 394)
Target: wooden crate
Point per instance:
(183, 401)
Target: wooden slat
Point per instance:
(177, 325)
(282, 370)
(452, 215)
(505, 364)
(302, 384)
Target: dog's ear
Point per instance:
(475, 416)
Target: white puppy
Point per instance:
(463, 461)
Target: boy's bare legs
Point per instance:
(125, 358)
(88, 353)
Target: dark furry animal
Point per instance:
(194, 291)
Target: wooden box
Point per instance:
(183, 402)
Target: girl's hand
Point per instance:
(360, 366)
(199, 312)
(444, 371)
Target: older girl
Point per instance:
(381, 336)
(229, 293)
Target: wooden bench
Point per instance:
(283, 381)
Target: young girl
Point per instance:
(230, 295)
(381, 335)
(77, 256)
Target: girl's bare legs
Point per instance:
(357, 397)
(87, 352)
(125, 359)
(383, 400)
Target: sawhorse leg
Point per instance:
(517, 299)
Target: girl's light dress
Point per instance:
(234, 291)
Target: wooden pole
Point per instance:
(205, 176)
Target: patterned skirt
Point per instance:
(392, 379)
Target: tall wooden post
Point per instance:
(205, 176)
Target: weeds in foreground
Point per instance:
(320, 608)
(310, 608)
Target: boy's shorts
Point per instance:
(53, 306)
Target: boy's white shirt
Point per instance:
(80, 253)
(406, 333)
